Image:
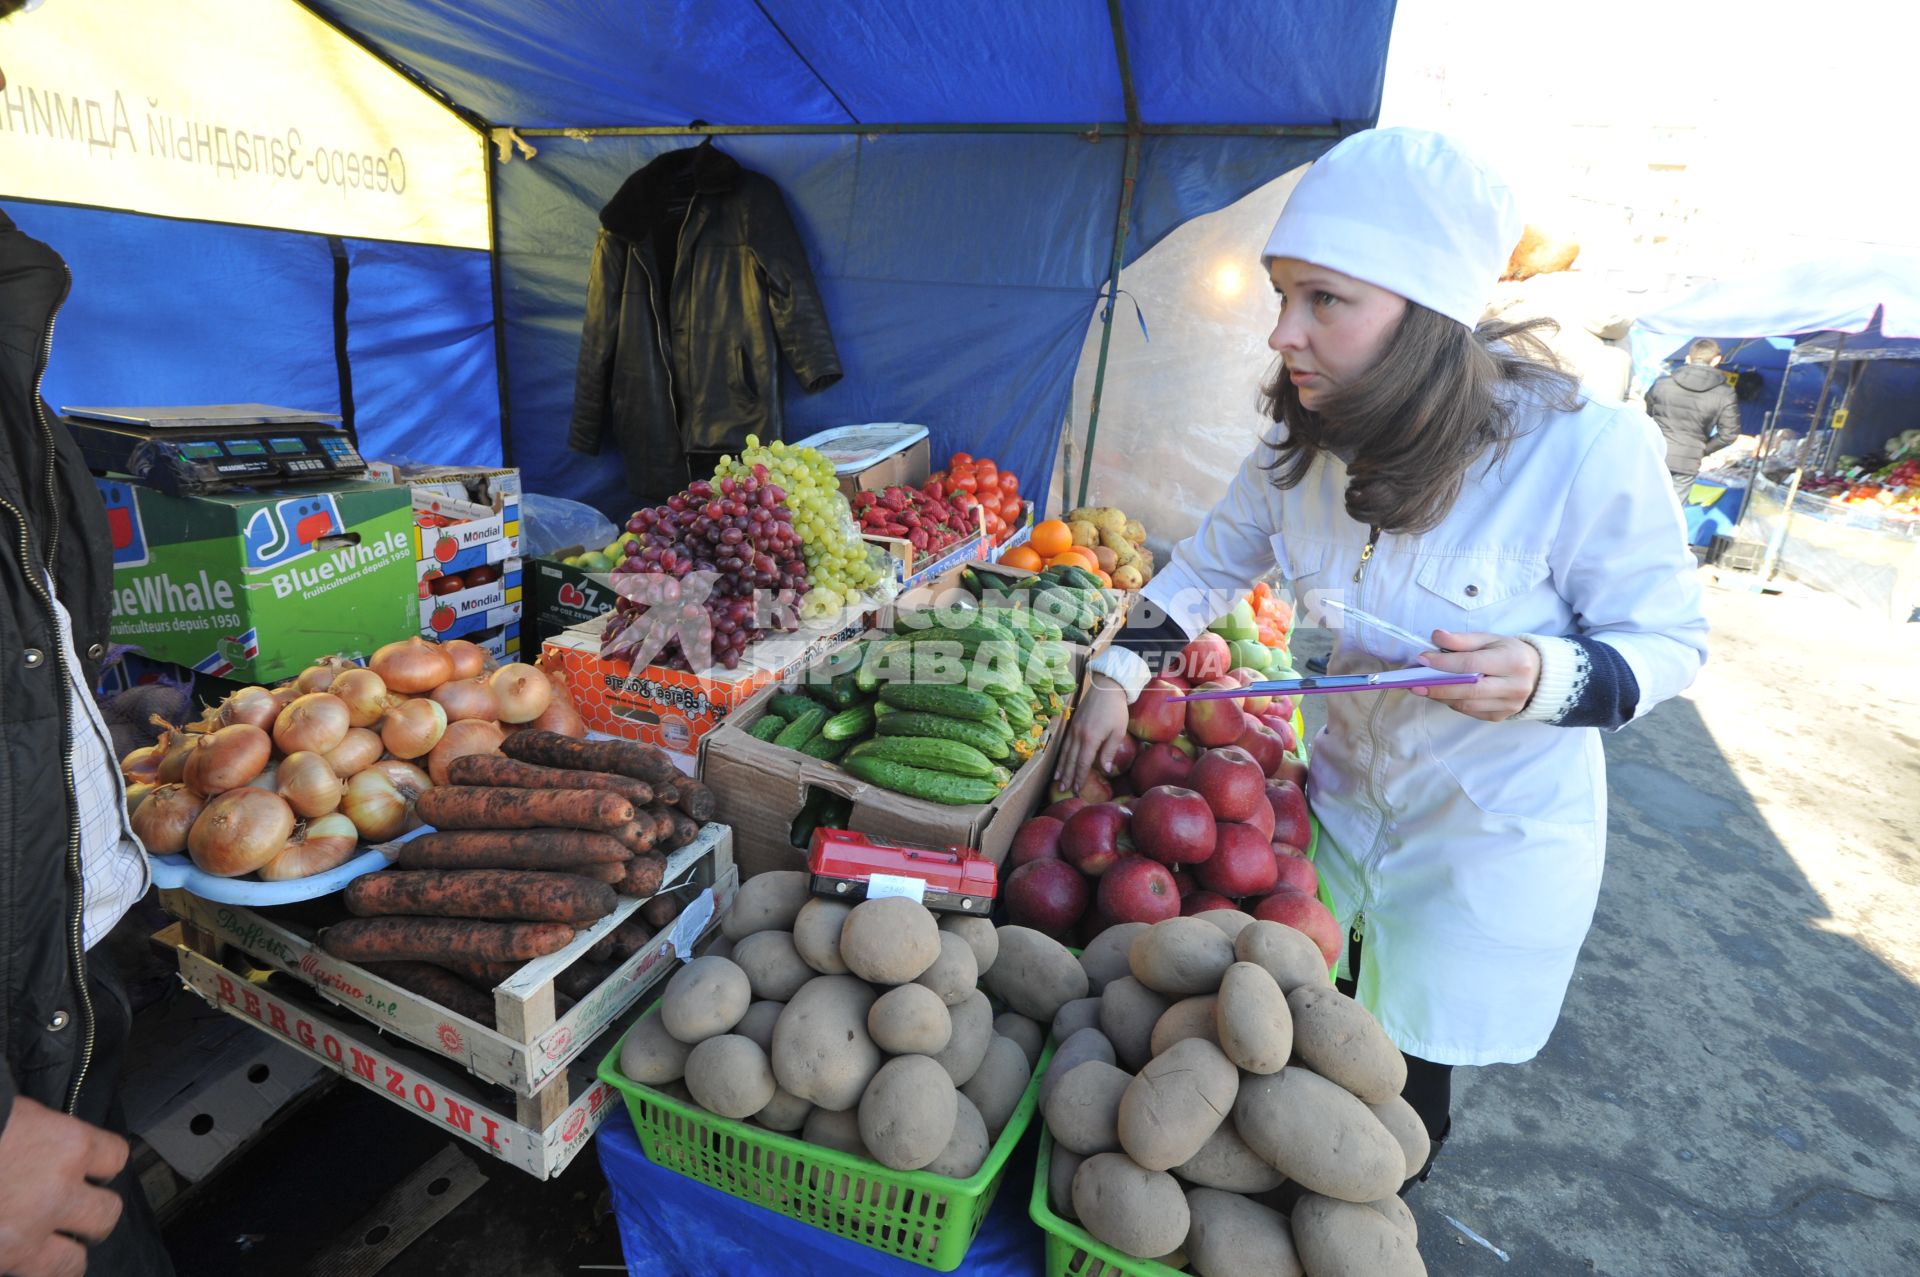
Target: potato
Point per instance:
(729, 1075)
(1028, 1036)
(1319, 1136)
(783, 1112)
(1180, 957)
(1231, 921)
(1105, 957)
(997, 1085)
(1176, 1103)
(717, 946)
(1395, 1208)
(967, 1151)
(816, 934)
(1128, 1012)
(1131, 1209)
(909, 1110)
(1288, 955)
(955, 973)
(980, 934)
(1087, 1044)
(1254, 1024)
(677, 1090)
(1060, 1171)
(1083, 1112)
(1187, 1018)
(821, 1051)
(971, 1035)
(1230, 1236)
(1405, 1126)
(704, 999)
(766, 902)
(758, 1024)
(890, 940)
(653, 1056)
(1226, 1163)
(1347, 1239)
(839, 1131)
(1081, 1013)
(775, 970)
(909, 1019)
(1340, 1040)
(1035, 974)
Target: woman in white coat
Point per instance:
(1445, 480)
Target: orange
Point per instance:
(1051, 537)
(1023, 557)
(1104, 578)
(1075, 557)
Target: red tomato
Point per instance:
(988, 472)
(960, 459)
(966, 482)
(1009, 481)
(1010, 509)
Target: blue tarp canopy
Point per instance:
(955, 171)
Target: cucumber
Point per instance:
(955, 702)
(900, 722)
(921, 782)
(766, 727)
(823, 747)
(804, 728)
(848, 723)
(790, 705)
(930, 752)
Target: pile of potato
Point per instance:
(1216, 1105)
(858, 1027)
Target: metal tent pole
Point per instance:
(1766, 437)
(1129, 175)
(1778, 541)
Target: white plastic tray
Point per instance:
(179, 871)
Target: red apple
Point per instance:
(1264, 744)
(1047, 895)
(1293, 769)
(1123, 756)
(1296, 872)
(1247, 678)
(1094, 790)
(1139, 890)
(1095, 837)
(1176, 680)
(1212, 723)
(1173, 825)
(1038, 839)
(1201, 901)
(1282, 726)
(1262, 819)
(1289, 805)
(1207, 657)
(1242, 863)
(1183, 881)
(1065, 808)
(1305, 914)
(1283, 706)
(1123, 788)
(1160, 764)
(1154, 717)
(1184, 743)
(1231, 782)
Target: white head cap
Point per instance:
(1408, 211)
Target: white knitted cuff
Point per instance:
(1564, 671)
(1129, 669)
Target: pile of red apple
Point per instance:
(1202, 809)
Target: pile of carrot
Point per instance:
(528, 846)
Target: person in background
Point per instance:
(70, 866)
(1696, 410)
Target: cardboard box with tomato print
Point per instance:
(486, 596)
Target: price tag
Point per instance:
(688, 926)
(880, 886)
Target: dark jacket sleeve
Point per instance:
(599, 335)
(799, 317)
(1726, 424)
(6, 1097)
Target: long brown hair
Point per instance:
(1438, 398)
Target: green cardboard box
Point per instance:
(257, 585)
(564, 596)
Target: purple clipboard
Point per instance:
(1384, 681)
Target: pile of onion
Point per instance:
(288, 781)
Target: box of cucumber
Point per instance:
(940, 728)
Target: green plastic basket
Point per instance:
(928, 1219)
(1071, 1249)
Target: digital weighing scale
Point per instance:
(201, 448)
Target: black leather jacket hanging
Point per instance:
(697, 274)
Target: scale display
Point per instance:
(188, 451)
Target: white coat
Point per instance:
(1468, 854)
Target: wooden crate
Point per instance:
(541, 1134)
(531, 1044)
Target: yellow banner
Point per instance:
(246, 111)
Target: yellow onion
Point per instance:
(412, 665)
(467, 698)
(469, 660)
(315, 723)
(137, 794)
(319, 676)
(163, 820)
(239, 831)
(366, 696)
(378, 807)
(285, 695)
(359, 750)
(228, 759)
(309, 785)
(268, 779)
(176, 747)
(560, 715)
(413, 727)
(142, 765)
(524, 692)
(315, 847)
(471, 736)
(251, 705)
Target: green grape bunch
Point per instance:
(840, 566)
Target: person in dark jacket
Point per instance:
(698, 276)
(1696, 410)
(69, 866)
